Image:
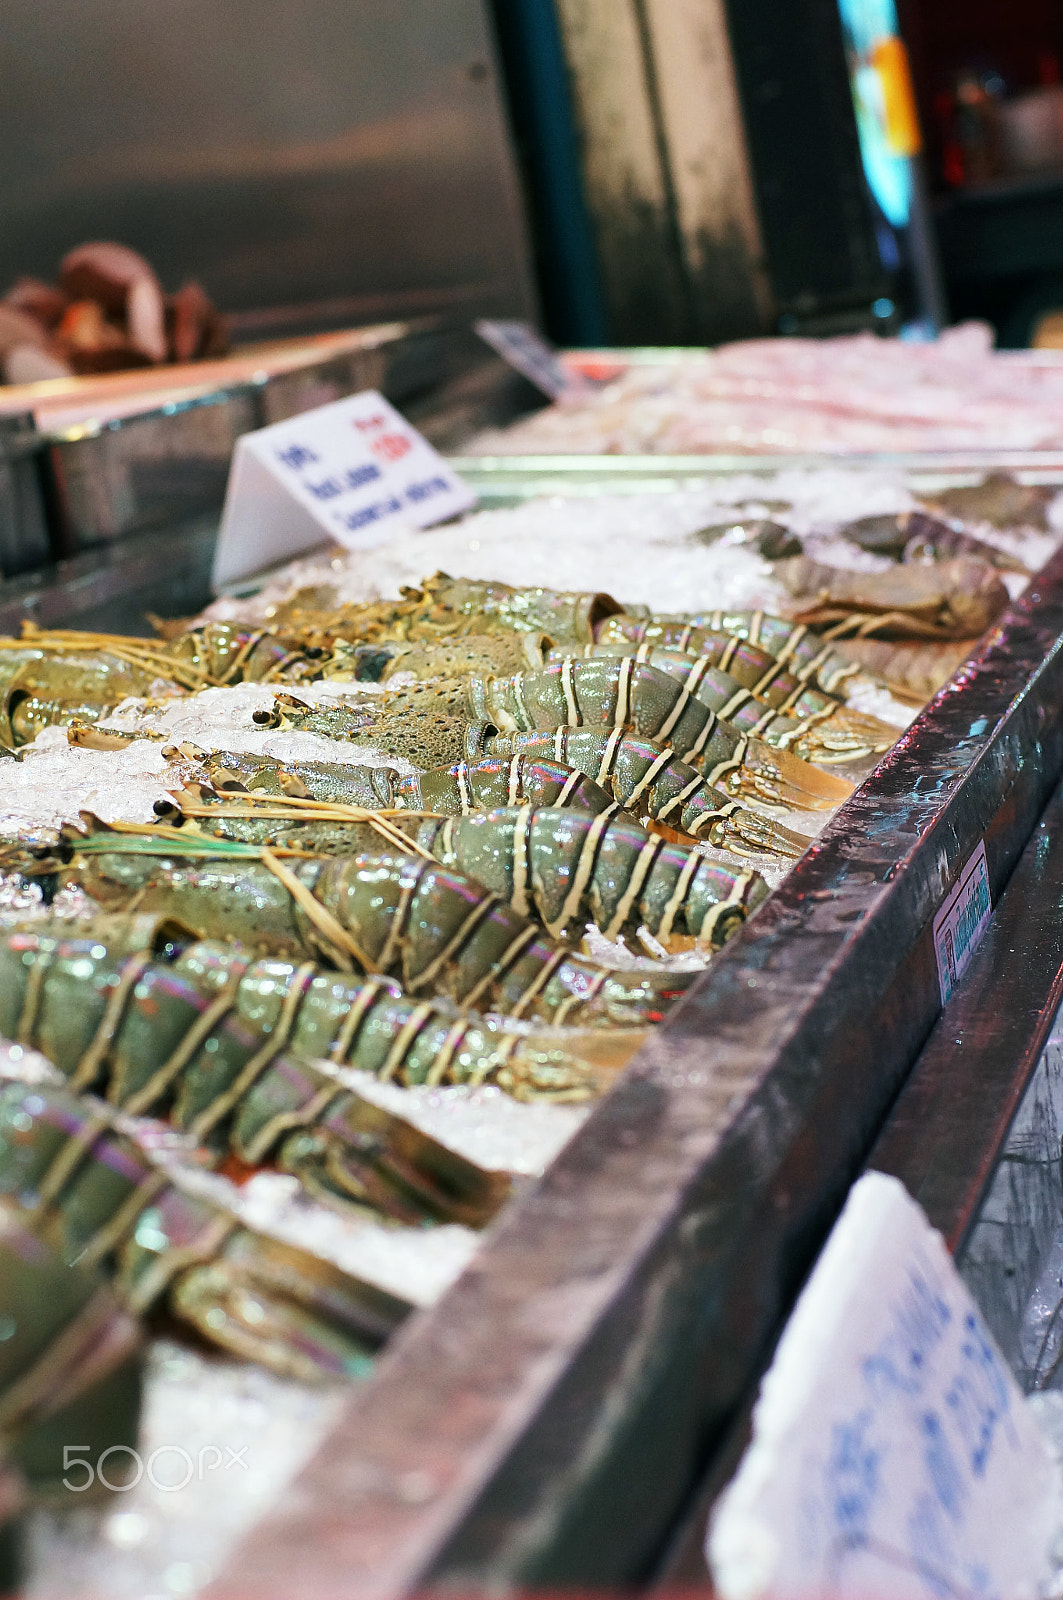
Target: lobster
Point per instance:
(568, 867)
(588, 771)
(45, 681)
(793, 646)
(70, 1361)
(815, 726)
(767, 676)
(442, 607)
(563, 865)
(381, 912)
(627, 694)
(97, 1193)
(222, 1044)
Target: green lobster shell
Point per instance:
(649, 781)
(225, 653)
(570, 767)
(425, 724)
(454, 790)
(443, 607)
(70, 1360)
(810, 656)
(223, 1044)
(768, 654)
(40, 688)
(626, 694)
(379, 912)
(569, 867)
(96, 1195)
(811, 724)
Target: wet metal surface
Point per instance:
(545, 1423)
(499, 479)
(286, 156)
(24, 532)
(975, 1135)
(945, 1135)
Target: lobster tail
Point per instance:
(634, 697)
(568, 868)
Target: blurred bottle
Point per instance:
(976, 148)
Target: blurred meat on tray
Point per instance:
(107, 312)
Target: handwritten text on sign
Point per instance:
(961, 922)
(893, 1454)
(347, 471)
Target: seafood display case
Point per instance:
(556, 1408)
(547, 1420)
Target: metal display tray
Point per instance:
(546, 1422)
(499, 479)
(109, 480)
(66, 489)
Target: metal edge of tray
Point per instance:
(112, 587)
(949, 1137)
(25, 534)
(983, 1051)
(493, 476)
(544, 1424)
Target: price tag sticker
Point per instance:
(893, 1453)
(530, 355)
(961, 922)
(349, 472)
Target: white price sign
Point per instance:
(347, 472)
(893, 1453)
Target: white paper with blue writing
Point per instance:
(893, 1454)
(349, 472)
(530, 355)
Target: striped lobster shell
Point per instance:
(379, 912)
(649, 781)
(99, 1195)
(765, 653)
(627, 694)
(813, 725)
(568, 868)
(222, 1044)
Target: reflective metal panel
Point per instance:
(351, 151)
(24, 536)
(158, 467)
